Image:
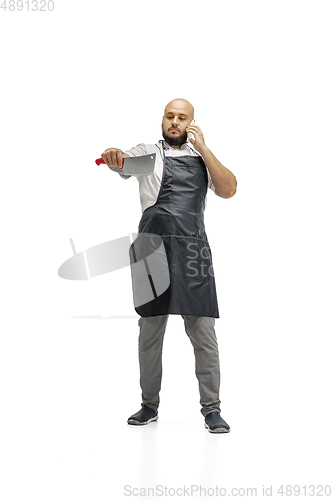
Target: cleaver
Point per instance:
(134, 165)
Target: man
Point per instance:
(173, 200)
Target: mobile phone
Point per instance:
(189, 134)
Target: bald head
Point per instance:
(180, 106)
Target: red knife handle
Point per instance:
(99, 161)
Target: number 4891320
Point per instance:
(33, 5)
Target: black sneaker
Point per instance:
(143, 416)
(215, 423)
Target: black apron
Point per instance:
(171, 250)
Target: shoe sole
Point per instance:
(136, 422)
(218, 430)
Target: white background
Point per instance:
(93, 75)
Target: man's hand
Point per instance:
(113, 158)
(198, 141)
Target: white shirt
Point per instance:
(149, 185)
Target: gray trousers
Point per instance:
(201, 332)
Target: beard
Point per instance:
(174, 140)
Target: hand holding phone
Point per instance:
(189, 134)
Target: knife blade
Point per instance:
(135, 165)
